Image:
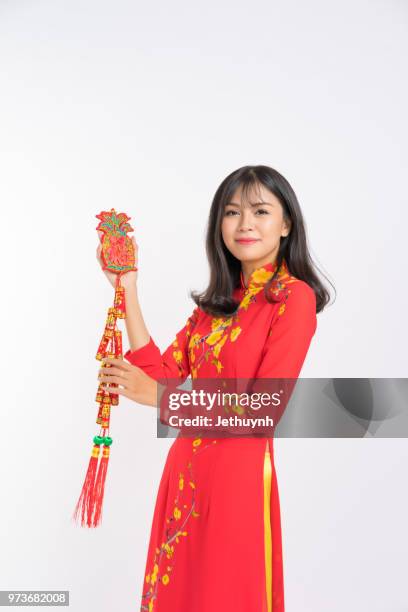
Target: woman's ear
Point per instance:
(287, 225)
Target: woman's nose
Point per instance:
(246, 221)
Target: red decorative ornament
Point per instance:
(118, 256)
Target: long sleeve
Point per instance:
(287, 344)
(173, 363)
(290, 334)
(169, 368)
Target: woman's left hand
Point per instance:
(133, 382)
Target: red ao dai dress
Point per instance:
(215, 542)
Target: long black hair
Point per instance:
(225, 268)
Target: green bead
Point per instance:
(107, 441)
(98, 440)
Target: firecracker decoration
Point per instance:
(118, 256)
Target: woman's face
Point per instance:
(259, 219)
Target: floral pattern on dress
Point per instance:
(209, 347)
(177, 525)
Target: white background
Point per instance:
(146, 107)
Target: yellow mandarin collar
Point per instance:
(261, 275)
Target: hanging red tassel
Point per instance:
(84, 504)
(100, 482)
(118, 256)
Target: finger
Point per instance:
(112, 371)
(117, 391)
(119, 380)
(114, 390)
(120, 363)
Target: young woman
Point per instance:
(215, 541)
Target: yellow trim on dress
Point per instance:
(267, 478)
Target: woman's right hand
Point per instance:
(129, 278)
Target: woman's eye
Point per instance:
(234, 212)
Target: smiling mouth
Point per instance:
(247, 240)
